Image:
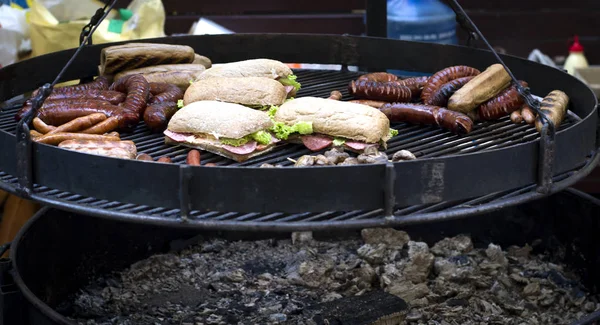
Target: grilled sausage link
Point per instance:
(440, 96)
(108, 125)
(386, 91)
(506, 102)
(157, 116)
(378, 76)
(164, 92)
(528, 114)
(138, 91)
(555, 107)
(516, 117)
(443, 76)
(100, 83)
(58, 112)
(426, 114)
(415, 84)
(113, 97)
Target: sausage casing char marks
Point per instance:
(132, 109)
(443, 76)
(164, 92)
(157, 116)
(58, 112)
(440, 96)
(415, 84)
(379, 76)
(427, 114)
(554, 105)
(503, 104)
(385, 91)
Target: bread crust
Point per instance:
(223, 120)
(336, 118)
(266, 68)
(245, 91)
(217, 150)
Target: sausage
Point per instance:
(516, 117)
(193, 157)
(443, 76)
(79, 123)
(503, 104)
(386, 91)
(164, 92)
(113, 134)
(368, 102)
(528, 114)
(117, 149)
(103, 127)
(415, 84)
(113, 97)
(440, 96)
(57, 112)
(100, 83)
(335, 95)
(165, 159)
(57, 138)
(378, 76)
(137, 89)
(42, 127)
(554, 105)
(210, 165)
(145, 157)
(426, 114)
(480, 89)
(157, 116)
(35, 134)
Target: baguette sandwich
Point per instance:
(333, 123)
(230, 130)
(255, 92)
(265, 68)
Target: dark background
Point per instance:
(516, 26)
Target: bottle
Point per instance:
(576, 59)
(422, 21)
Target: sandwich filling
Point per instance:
(257, 141)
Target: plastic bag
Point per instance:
(55, 25)
(14, 34)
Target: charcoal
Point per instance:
(383, 278)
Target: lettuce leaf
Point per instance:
(272, 111)
(338, 142)
(393, 133)
(261, 137)
(180, 103)
(283, 131)
(290, 81)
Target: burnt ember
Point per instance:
(385, 278)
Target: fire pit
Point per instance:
(535, 263)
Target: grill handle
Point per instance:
(548, 132)
(24, 145)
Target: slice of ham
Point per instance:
(245, 149)
(289, 89)
(316, 142)
(360, 146)
(178, 137)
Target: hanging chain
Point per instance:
(24, 147)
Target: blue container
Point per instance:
(422, 21)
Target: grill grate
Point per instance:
(423, 141)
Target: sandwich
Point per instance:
(265, 68)
(254, 92)
(333, 124)
(230, 130)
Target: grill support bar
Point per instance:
(548, 132)
(389, 194)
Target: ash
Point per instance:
(281, 282)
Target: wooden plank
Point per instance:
(318, 24)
